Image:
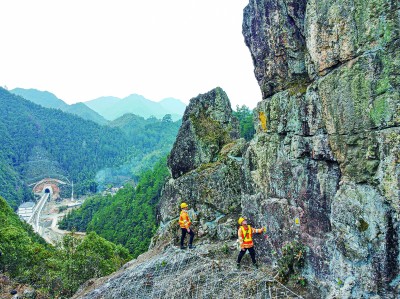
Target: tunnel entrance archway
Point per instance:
(48, 186)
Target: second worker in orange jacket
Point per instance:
(245, 235)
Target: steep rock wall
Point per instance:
(327, 144)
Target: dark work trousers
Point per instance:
(252, 254)
(184, 232)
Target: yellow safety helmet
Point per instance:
(184, 205)
(241, 219)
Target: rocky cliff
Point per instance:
(322, 170)
(327, 143)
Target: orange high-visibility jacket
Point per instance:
(184, 220)
(246, 235)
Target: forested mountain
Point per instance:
(111, 107)
(49, 100)
(55, 272)
(129, 217)
(42, 98)
(78, 146)
(12, 186)
(38, 142)
(152, 139)
(85, 112)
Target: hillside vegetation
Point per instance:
(55, 272)
(39, 142)
(129, 217)
(78, 146)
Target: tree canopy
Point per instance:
(245, 117)
(127, 218)
(56, 271)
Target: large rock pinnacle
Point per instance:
(207, 126)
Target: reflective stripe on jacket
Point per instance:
(184, 220)
(246, 236)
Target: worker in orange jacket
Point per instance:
(184, 222)
(245, 234)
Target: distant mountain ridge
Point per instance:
(42, 98)
(111, 107)
(49, 100)
(108, 108)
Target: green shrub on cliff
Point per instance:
(291, 262)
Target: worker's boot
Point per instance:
(183, 247)
(191, 246)
(238, 266)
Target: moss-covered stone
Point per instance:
(207, 125)
(208, 130)
(363, 225)
(338, 31)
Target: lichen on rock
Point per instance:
(207, 125)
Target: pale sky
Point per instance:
(84, 49)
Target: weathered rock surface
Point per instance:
(326, 149)
(205, 163)
(274, 33)
(206, 272)
(207, 125)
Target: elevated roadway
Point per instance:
(34, 219)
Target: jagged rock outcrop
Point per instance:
(327, 144)
(323, 167)
(207, 125)
(205, 166)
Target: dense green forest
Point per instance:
(127, 218)
(39, 142)
(245, 117)
(55, 272)
(152, 139)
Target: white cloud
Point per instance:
(81, 50)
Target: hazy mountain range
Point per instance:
(111, 107)
(104, 109)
